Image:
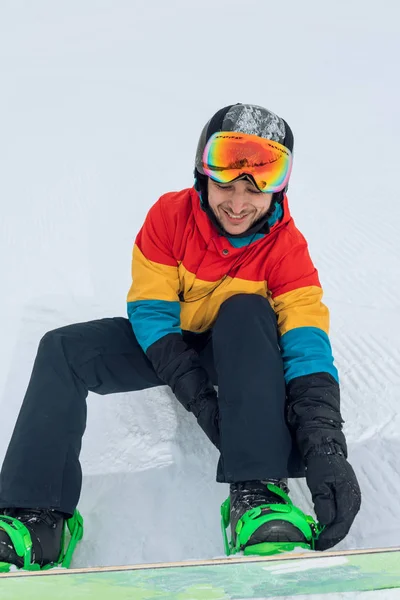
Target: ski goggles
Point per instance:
(229, 155)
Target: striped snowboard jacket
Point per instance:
(183, 269)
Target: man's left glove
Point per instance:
(335, 492)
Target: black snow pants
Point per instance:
(241, 354)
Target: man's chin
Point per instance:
(233, 228)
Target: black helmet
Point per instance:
(243, 118)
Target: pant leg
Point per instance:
(41, 467)
(255, 440)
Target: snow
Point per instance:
(90, 91)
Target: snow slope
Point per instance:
(90, 90)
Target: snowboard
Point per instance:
(237, 577)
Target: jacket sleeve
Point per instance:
(312, 384)
(154, 311)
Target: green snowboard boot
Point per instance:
(34, 539)
(263, 519)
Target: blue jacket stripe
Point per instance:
(153, 319)
(306, 350)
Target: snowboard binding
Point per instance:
(305, 528)
(22, 542)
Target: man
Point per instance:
(224, 293)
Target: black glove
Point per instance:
(335, 493)
(205, 409)
(179, 366)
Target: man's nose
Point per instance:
(237, 202)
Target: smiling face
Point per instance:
(237, 205)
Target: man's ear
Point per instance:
(198, 188)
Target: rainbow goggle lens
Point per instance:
(229, 155)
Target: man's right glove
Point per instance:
(205, 409)
(335, 492)
(179, 367)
